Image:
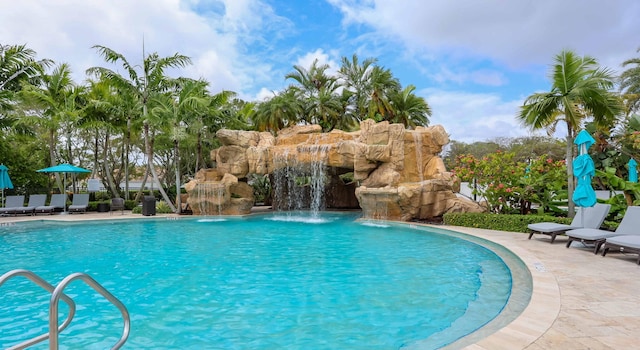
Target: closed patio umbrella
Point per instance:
(5, 181)
(633, 173)
(64, 168)
(584, 170)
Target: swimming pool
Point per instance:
(266, 281)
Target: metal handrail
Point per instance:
(57, 294)
(48, 287)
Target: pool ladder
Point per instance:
(56, 295)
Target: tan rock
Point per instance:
(232, 160)
(238, 137)
(398, 173)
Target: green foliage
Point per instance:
(630, 191)
(501, 222)
(261, 187)
(510, 186)
(161, 208)
(509, 222)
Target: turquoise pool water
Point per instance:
(263, 282)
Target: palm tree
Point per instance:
(105, 116)
(145, 85)
(17, 64)
(579, 89)
(383, 85)
(175, 113)
(409, 109)
(630, 84)
(355, 77)
(54, 107)
(280, 111)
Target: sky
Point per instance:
(474, 61)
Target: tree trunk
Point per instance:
(107, 170)
(198, 152)
(127, 143)
(152, 168)
(176, 155)
(570, 178)
(52, 157)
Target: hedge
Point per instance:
(508, 222)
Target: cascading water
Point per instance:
(318, 178)
(204, 194)
(284, 187)
(417, 141)
(210, 198)
(301, 184)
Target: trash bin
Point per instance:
(149, 205)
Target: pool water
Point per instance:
(263, 282)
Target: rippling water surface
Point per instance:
(277, 281)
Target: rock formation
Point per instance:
(395, 173)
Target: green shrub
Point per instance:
(508, 222)
(500, 222)
(161, 208)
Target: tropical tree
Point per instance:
(144, 84)
(18, 65)
(104, 118)
(280, 111)
(630, 84)
(409, 109)
(173, 114)
(579, 89)
(355, 77)
(382, 85)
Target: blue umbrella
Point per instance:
(633, 173)
(64, 168)
(584, 170)
(5, 181)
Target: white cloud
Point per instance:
(469, 117)
(515, 33)
(216, 40)
(305, 61)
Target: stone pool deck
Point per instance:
(579, 301)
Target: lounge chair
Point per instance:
(623, 244)
(58, 201)
(12, 203)
(594, 217)
(117, 204)
(628, 226)
(80, 203)
(35, 200)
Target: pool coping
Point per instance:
(543, 308)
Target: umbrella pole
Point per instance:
(64, 190)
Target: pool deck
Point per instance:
(579, 300)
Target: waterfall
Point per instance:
(285, 193)
(204, 194)
(417, 140)
(210, 197)
(219, 192)
(300, 182)
(318, 179)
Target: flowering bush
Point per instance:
(509, 186)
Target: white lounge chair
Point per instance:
(80, 203)
(623, 244)
(629, 225)
(593, 218)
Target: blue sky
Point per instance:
(473, 61)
